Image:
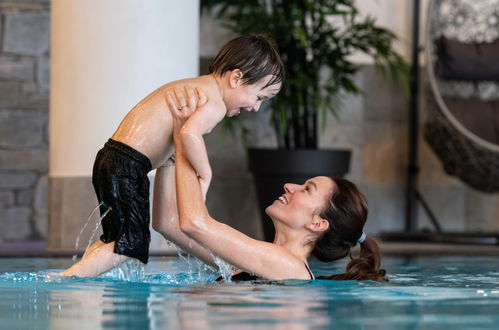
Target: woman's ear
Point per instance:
(235, 78)
(318, 224)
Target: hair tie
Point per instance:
(362, 238)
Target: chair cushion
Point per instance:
(457, 60)
(478, 116)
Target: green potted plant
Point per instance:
(316, 39)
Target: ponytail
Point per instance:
(365, 267)
(346, 212)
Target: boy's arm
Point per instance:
(205, 118)
(191, 137)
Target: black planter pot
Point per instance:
(272, 168)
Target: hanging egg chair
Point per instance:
(462, 56)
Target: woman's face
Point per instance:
(300, 203)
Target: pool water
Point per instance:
(423, 293)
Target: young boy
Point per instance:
(246, 71)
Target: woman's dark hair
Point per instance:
(256, 55)
(346, 212)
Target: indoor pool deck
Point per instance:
(390, 249)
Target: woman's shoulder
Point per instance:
(290, 266)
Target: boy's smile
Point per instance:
(250, 97)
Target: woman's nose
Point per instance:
(289, 187)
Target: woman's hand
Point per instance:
(182, 102)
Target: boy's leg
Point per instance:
(98, 259)
(129, 199)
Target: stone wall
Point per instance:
(24, 100)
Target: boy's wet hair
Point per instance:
(256, 55)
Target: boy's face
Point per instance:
(249, 97)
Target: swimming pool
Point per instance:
(423, 293)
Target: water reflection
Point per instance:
(421, 294)
(21, 309)
(234, 305)
(213, 306)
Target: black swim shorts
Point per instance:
(120, 181)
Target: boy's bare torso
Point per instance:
(148, 126)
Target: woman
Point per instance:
(323, 217)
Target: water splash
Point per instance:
(226, 270)
(184, 256)
(202, 269)
(197, 270)
(83, 230)
(97, 224)
(128, 273)
(131, 270)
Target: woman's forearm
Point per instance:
(165, 215)
(195, 151)
(191, 207)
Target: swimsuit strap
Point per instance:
(245, 276)
(311, 275)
